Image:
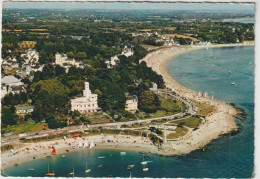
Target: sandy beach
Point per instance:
(221, 121)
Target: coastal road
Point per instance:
(191, 109)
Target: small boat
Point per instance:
(122, 153)
(101, 157)
(230, 71)
(85, 144)
(63, 156)
(50, 174)
(92, 144)
(87, 170)
(72, 173)
(129, 167)
(233, 83)
(48, 156)
(144, 163)
(145, 169)
(101, 166)
(30, 169)
(80, 145)
(53, 151)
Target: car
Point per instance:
(22, 138)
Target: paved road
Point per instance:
(190, 109)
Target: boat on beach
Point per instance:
(92, 144)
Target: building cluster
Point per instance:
(66, 62)
(167, 41)
(86, 104)
(10, 84)
(126, 51)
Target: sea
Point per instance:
(207, 70)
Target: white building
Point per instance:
(86, 104)
(131, 103)
(24, 109)
(112, 62)
(10, 84)
(154, 88)
(31, 56)
(127, 52)
(64, 61)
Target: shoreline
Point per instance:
(220, 123)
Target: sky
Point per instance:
(116, 5)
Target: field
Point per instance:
(180, 36)
(26, 126)
(192, 122)
(179, 132)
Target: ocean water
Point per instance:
(230, 156)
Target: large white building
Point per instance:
(64, 61)
(86, 104)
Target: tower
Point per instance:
(87, 91)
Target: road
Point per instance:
(191, 109)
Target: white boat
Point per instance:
(129, 167)
(122, 153)
(145, 169)
(144, 163)
(80, 144)
(233, 83)
(101, 157)
(30, 169)
(92, 144)
(87, 170)
(63, 156)
(230, 71)
(85, 144)
(72, 173)
(199, 94)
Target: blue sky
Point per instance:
(173, 6)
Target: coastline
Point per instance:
(220, 123)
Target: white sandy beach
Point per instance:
(221, 122)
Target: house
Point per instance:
(127, 52)
(131, 102)
(66, 62)
(86, 104)
(112, 62)
(154, 87)
(10, 84)
(24, 109)
(31, 56)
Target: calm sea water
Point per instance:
(232, 156)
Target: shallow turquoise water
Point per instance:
(232, 156)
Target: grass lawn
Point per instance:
(192, 122)
(26, 126)
(179, 132)
(203, 109)
(168, 107)
(180, 36)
